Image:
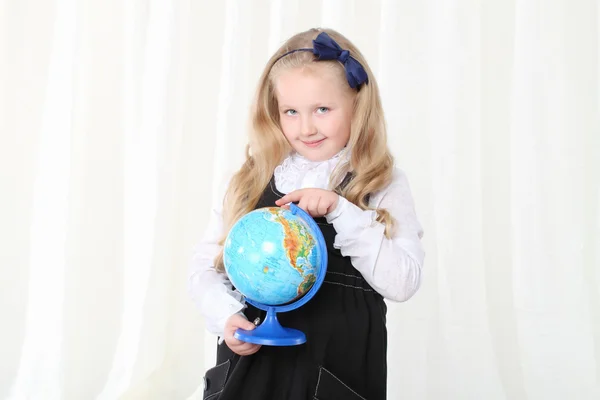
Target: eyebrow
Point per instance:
(316, 105)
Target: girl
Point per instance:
(318, 138)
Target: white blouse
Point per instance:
(391, 266)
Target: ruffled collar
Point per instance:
(297, 172)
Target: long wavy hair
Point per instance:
(369, 160)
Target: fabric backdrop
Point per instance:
(118, 119)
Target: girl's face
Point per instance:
(315, 110)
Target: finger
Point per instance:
(291, 197)
(322, 207)
(247, 325)
(248, 350)
(240, 349)
(237, 342)
(232, 341)
(253, 349)
(241, 322)
(333, 202)
(237, 350)
(313, 206)
(303, 204)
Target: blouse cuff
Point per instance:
(220, 305)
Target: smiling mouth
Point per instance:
(314, 143)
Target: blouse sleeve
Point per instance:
(211, 291)
(391, 266)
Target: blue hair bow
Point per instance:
(325, 48)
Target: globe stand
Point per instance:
(270, 332)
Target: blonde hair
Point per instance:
(370, 161)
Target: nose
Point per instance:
(308, 128)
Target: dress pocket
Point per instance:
(330, 387)
(214, 380)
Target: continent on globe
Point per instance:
(298, 243)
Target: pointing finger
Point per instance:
(291, 197)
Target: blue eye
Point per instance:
(322, 110)
(290, 112)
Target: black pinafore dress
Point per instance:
(344, 357)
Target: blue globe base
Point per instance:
(271, 333)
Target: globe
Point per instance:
(277, 259)
(270, 256)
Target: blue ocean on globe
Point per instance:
(271, 256)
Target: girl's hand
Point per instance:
(316, 202)
(237, 346)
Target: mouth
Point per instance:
(313, 143)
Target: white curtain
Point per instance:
(118, 118)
